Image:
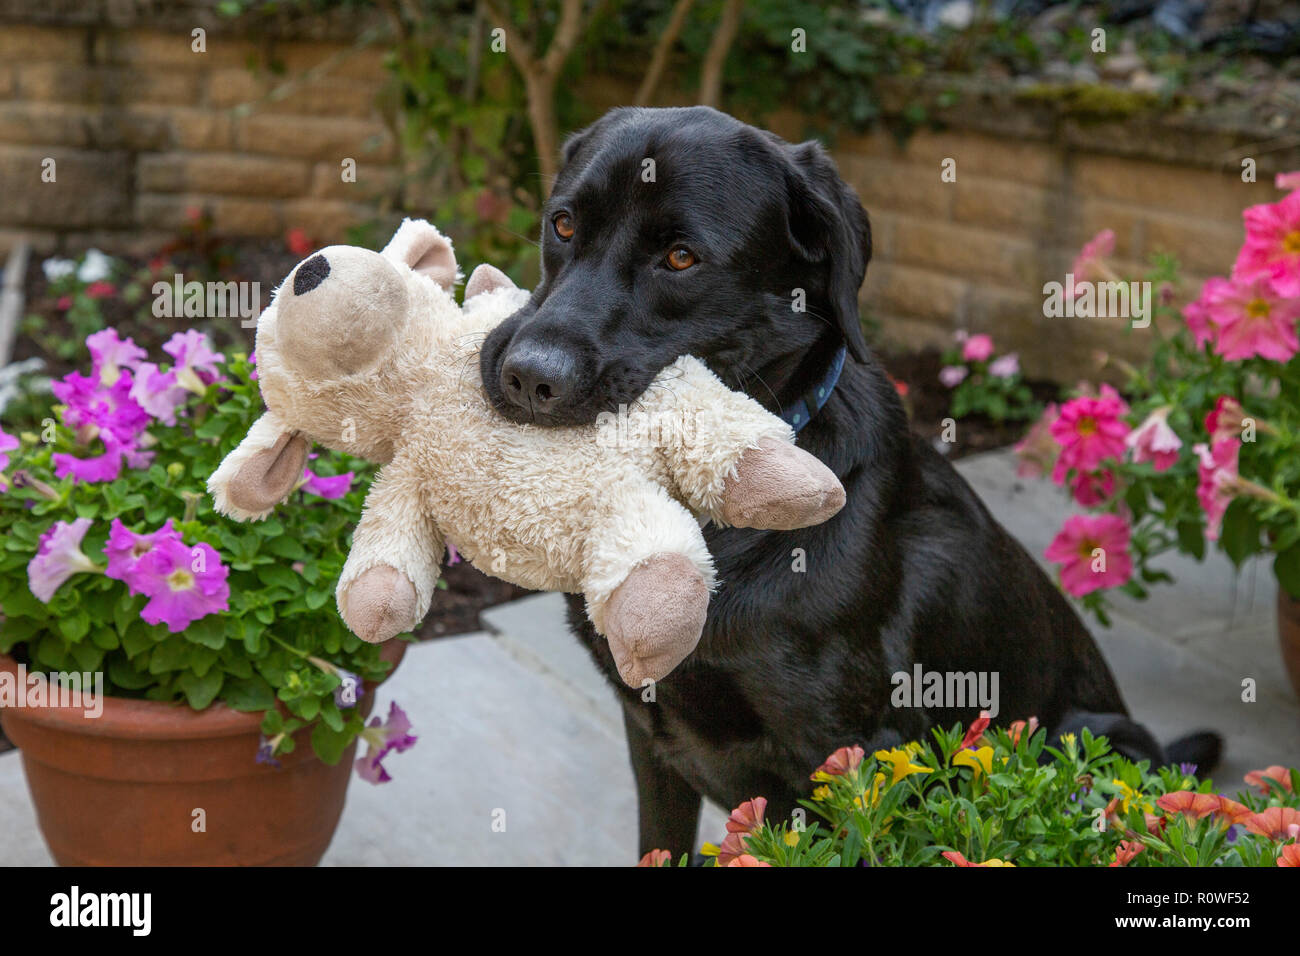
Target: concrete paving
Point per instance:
(521, 758)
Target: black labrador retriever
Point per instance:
(685, 231)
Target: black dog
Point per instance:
(684, 231)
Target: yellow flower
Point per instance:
(872, 797)
(981, 761)
(1129, 796)
(914, 747)
(792, 838)
(822, 792)
(821, 776)
(995, 862)
(709, 850)
(902, 763)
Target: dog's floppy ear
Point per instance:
(829, 226)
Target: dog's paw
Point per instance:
(379, 604)
(655, 617)
(780, 487)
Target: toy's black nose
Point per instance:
(537, 378)
(310, 274)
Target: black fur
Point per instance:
(914, 569)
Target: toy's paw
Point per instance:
(780, 486)
(379, 604)
(655, 617)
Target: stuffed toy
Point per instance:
(369, 354)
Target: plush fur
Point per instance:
(368, 353)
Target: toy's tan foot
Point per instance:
(655, 617)
(379, 604)
(781, 487)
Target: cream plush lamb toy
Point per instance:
(368, 353)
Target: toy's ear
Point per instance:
(486, 278)
(420, 246)
(261, 472)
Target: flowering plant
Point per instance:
(1006, 797)
(115, 562)
(1205, 446)
(983, 383)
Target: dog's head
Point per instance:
(682, 231)
(348, 329)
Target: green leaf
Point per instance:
(329, 743)
(277, 575)
(1191, 539)
(209, 631)
(1240, 534)
(200, 691)
(254, 693)
(1287, 570)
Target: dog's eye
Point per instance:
(681, 258)
(562, 223)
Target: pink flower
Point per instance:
(657, 858)
(7, 444)
(382, 738)
(1248, 318)
(125, 548)
(1155, 441)
(111, 354)
(327, 486)
(93, 470)
(1217, 473)
(747, 817)
(1006, 366)
(1091, 488)
(1037, 452)
(1287, 180)
(1272, 247)
(1087, 264)
(1089, 431)
(58, 558)
(297, 242)
(843, 761)
(183, 583)
(953, 375)
(1093, 553)
(101, 289)
(746, 859)
(1225, 420)
(1197, 317)
(977, 348)
(196, 363)
(976, 730)
(158, 393)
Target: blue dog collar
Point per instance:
(801, 412)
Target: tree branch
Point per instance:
(659, 60)
(716, 57)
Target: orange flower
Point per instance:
(656, 858)
(1233, 812)
(1126, 851)
(1279, 773)
(1019, 726)
(747, 817)
(733, 846)
(1190, 804)
(841, 762)
(957, 859)
(1290, 855)
(976, 730)
(1275, 823)
(746, 860)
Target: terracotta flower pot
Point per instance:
(122, 789)
(1288, 635)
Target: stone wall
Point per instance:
(143, 129)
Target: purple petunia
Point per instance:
(111, 354)
(58, 558)
(182, 583)
(327, 486)
(382, 738)
(196, 364)
(157, 392)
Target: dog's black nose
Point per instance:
(310, 274)
(537, 378)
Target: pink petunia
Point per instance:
(183, 584)
(1272, 247)
(196, 364)
(125, 548)
(1155, 441)
(1217, 481)
(382, 738)
(1287, 180)
(111, 354)
(1006, 366)
(94, 470)
(1088, 265)
(1249, 319)
(1093, 553)
(1037, 452)
(1089, 431)
(58, 557)
(326, 486)
(7, 444)
(158, 392)
(1091, 488)
(977, 348)
(1225, 420)
(1197, 317)
(953, 375)
(101, 290)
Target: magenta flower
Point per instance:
(1225, 420)
(382, 738)
(1217, 474)
(1249, 319)
(1091, 488)
(1272, 247)
(125, 548)
(58, 558)
(7, 444)
(953, 375)
(93, 470)
(157, 392)
(196, 364)
(1093, 553)
(977, 348)
(327, 486)
(111, 354)
(101, 289)
(183, 583)
(1088, 265)
(453, 556)
(1197, 317)
(1155, 441)
(1006, 366)
(1037, 452)
(1089, 431)
(1287, 180)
